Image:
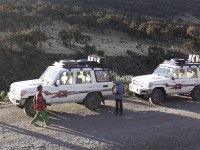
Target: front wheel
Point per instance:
(157, 96)
(28, 108)
(93, 101)
(196, 93)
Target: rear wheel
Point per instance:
(157, 96)
(28, 108)
(196, 93)
(93, 101)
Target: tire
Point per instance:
(196, 93)
(21, 107)
(138, 96)
(28, 108)
(92, 101)
(157, 96)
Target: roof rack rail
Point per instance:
(181, 62)
(92, 62)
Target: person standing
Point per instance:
(118, 92)
(39, 104)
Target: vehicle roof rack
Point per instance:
(92, 62)
(181, 62)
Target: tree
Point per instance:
(73, 34)
(8, 38)
(192, 46)
(30, 36)
(84, 39)
(102, 23)
(88, 50)
(142, 31)
(179, 31)
(155, 56)
(168, 33)
(194, 32)
(154, 29)
(65, 38)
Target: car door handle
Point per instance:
(105, 85)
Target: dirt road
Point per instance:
(173, 125)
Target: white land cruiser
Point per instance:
(177, 76)
(81, 81)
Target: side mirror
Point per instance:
(174, 76)
(57, 83)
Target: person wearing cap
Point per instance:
(118, 92)
(39, 104)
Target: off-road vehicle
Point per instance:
(83, 81)
(177, 76)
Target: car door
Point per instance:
(83, 84)
(191, 79)
(177, 84)
(64, 90)
(103, 82)
(46, 92)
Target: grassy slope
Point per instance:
(110, 41)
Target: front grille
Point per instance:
(13, 91)
(137, 83)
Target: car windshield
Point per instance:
(164, 71)
(49, 76)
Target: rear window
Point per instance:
(102, 76)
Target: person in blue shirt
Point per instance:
(118, 92)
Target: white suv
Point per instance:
(81, 81)
(177, 76)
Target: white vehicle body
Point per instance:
(170, 77)
(94, 80)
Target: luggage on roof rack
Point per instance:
(194, 58)
(178, 61)
(92, 61)
(68, 63)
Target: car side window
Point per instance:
(66, 78)
(83, 77)
(192, 73)
(102, 76)
(180, 73)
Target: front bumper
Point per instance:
(16, 101)
(139, 90)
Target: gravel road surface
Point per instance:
(172, 125)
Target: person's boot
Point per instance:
(34, 123)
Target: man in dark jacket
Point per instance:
(118, 92)
(39, 104)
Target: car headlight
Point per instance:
(22, 93)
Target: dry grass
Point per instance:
(110, 41)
